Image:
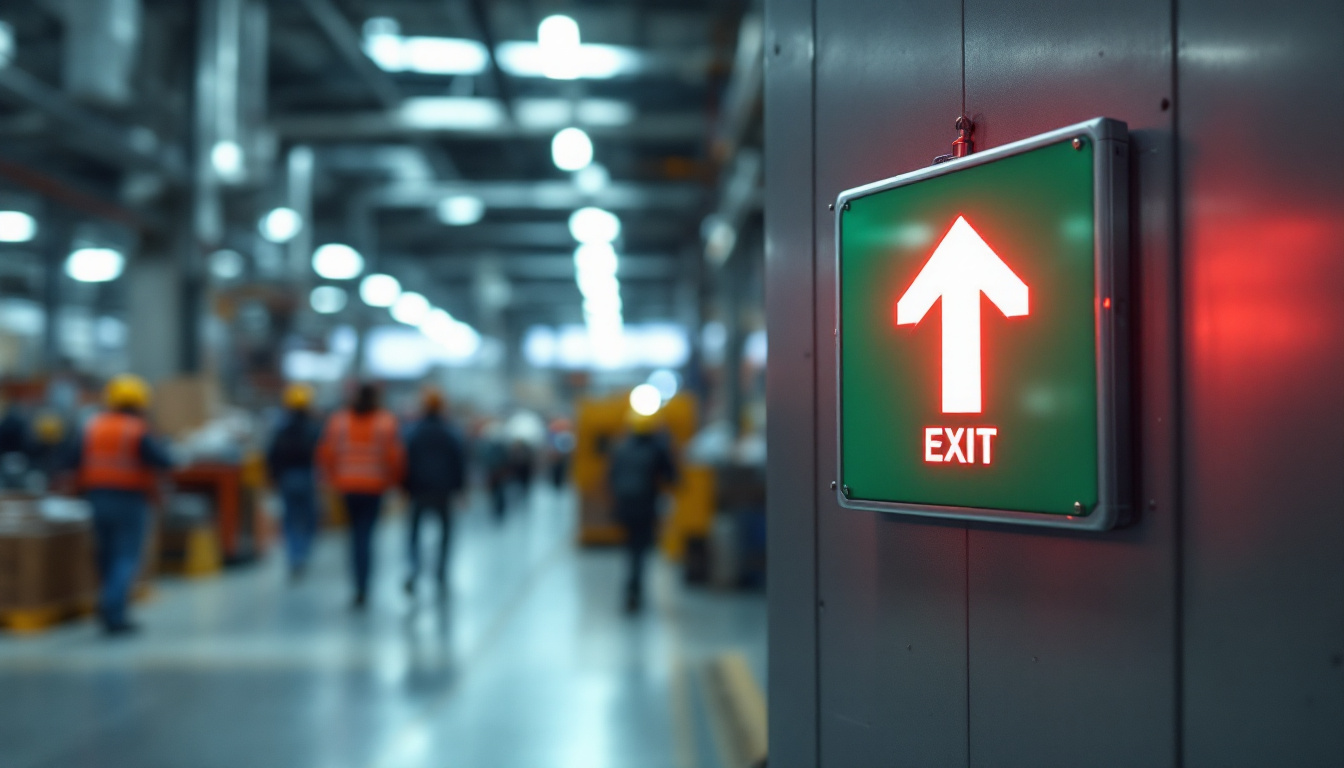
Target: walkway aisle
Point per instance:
(528, 665)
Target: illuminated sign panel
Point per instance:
(981, 348)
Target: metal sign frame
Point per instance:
(1110, 249)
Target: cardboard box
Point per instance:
(183, 404)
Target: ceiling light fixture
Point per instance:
(410, 308)
(281, 225)
(17, 227)
(571, 149)
(337, 261)
(327, 299)
(379, 290)
(594, 225)
(95, 265)
(461, 210)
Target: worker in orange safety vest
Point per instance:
(116, 462)
(362, 457)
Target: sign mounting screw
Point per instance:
(1077, 142)
(832, 485)
(1078, 507)
(845, 490)
(830, 206)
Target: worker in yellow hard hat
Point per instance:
(290, 460)
(118, 459)
(641, 467)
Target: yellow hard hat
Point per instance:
(49, 428)
(127, 391)
(298, 397)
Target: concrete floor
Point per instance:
(527, 664)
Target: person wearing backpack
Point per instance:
(435, 473)
(641, 467)
(290, 462)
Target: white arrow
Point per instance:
(961, 268)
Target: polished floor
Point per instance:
(527, 663)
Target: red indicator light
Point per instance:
(961, 268)
(1106, 303)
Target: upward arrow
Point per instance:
(961, 268)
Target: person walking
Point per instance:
(641, 466)
(360, 454)
(290, 460)
(116, 462)
(435, 474)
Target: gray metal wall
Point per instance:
(1212, 632)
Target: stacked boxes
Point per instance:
(46, 555)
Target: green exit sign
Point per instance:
(982, 355)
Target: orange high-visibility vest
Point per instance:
(111, 456)
(362, 453)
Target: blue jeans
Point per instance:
(362, 509)
(119, 521)
(438, 507)
(299, 494)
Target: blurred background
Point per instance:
(545, 213)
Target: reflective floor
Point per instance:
(527, 663)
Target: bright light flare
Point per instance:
(379, 290)
(17, 227)
(461, 210)
(645, 400)
(571, 149)
(95, 265)
(280, 225)
(411, 308)
(594, 225)
(337, 261)
(559, 43)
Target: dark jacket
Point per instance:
(640, 466)
(435, 459)
(293, 445)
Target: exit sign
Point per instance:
(981, 350)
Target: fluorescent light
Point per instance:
(755, 348)
(595, 285)
(379, 290)
(540, 346)
(226, 264)
(410, 308)
(645, 400)
(665, 381)
(17, 227)
(604, 112)
(443, 56)
(281, 225)
(6, 44)
(327, 299)
(597, 258)
(594, 225)
(227, 158)
(571, 149)
(458, 340)
(337, 261)
(590, 61)
(461, 210)
(592, 179)
(95, 265)
(558, 41)
(452, 113)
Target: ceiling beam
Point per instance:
(689, 126)
(541, 195)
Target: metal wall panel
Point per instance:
(1263, 264)
(791, 384)
(892, 631)
(1073, 637)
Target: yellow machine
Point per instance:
(599, 423)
